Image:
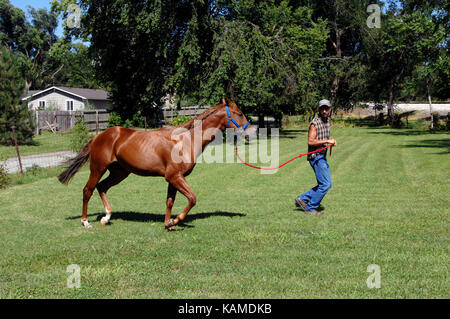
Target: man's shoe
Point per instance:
(313, 212)
(300, 203)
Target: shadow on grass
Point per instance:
(298, 209)
(438, 143)
(285, 133)
(158, 218)
(400, 131)
(292, 133)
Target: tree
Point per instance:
(48, 60)
(134, 47)
(341, 69)
(12, 112)
(407, 39)
(33, 39)
(263, 55)
(77, 70)
(271, 57)
(13, 25)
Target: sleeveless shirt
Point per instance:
(323, 133)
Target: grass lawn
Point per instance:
(389, 206)
(47, 142)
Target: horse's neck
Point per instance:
(209, 128)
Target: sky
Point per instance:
(37, 4)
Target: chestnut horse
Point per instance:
(155, 153)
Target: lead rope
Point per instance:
(270, 168)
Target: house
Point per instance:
(66, 99)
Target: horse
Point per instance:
(122, 151)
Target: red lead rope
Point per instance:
(298, 156)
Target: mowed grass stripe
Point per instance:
(421, 164)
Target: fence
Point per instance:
(96, 119)
(64, 120)
(192, 111)
(23, 163)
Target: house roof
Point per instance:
(88, 94)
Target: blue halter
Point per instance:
(230, 119)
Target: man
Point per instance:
(318, 137)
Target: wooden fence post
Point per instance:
(96, 122)
(37, 122)
(17, 148)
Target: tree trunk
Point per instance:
(337, 46)
(27, 85)
(390, 103)
(261, 122)
(429, 101)
(230, 90)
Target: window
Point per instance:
(42, 105)
(69, 105)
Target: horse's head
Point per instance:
(236, 119)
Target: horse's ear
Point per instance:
(227, 101)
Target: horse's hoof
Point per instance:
(171, 228)
(170, 225)
(86, 224)
(103, 221)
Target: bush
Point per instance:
(4, 178)
(114, 119)
(180, 119)
(128, 123)
(79, 136)
(435, 120)
(440, 125)
(138, 119)
(34, 170)
(397, 121)
(381, 120)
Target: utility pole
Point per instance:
(17, 148)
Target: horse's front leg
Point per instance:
(179, 182)
(171, 193)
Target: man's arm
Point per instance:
(312, 138)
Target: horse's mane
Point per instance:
(190, 124)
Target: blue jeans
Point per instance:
(314, 196)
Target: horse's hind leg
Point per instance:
(116, 175)
(94, 177)
(179, 182)
(171, 193)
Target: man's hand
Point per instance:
(312, 135)
(332, 141)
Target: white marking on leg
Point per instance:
(107, 216)
(105, 220)
(86, 224)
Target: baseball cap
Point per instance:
(324, 103)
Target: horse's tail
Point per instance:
(75, 164)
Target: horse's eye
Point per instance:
(240, 114)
